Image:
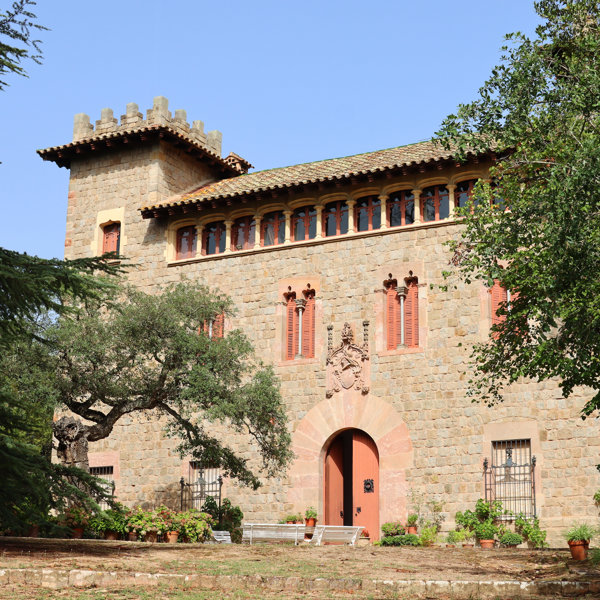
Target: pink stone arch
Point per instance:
(374, 416)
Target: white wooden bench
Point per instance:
(336, 533)
(222, 537)
(270, 532)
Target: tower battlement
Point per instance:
(133, 119)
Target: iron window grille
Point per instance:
(202, 483)
(510, 477)
(105, 474)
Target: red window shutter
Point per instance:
(219, 326)
(498, 297)
(110, 242)
(411, 315)
(291, 329)
(393, 331)
(308, 328)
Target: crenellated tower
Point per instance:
(118, 166)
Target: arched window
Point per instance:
(243, 233)
(185, 246)
(401, 209)
(111, 238)
(434, 203)
(368, 213)
(464, 192)
(402, 313)
(304, 223)
(300, 324)
(273, 229)
(213, 238)
(335, 218)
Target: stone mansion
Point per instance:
(335, 268)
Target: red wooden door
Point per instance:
(334, 483)
(365, 483)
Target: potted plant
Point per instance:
(147, 523)
(195, 526)
(411, 523)
(486, 532)
(578, 538)
(511, 540)
(310, 517)
(109, 523)
(454, 537)
(76, 517)
(171, 524)
(428, 535)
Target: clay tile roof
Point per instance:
(313, 172)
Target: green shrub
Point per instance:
(113, 519)
(229, 518)
(428, 535)
(530, 530)
(456, 537)
(392, 528)
(511, 539)
(595, 556)
(410, 539)
(195, 525)
(580, 533)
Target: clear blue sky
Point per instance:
(286, 82)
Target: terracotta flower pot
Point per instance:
(579, 549)
(450, 546)
(151, 536)
(468, 545)
(411, 529)
(111, 535)
(486, 544)
(311, 522)
(132, 536)
(77, 533)
(171, 537)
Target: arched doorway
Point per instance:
(351, 478)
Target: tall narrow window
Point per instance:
(111, 238)
(402, 313)
(464, 192)
(213, 238)
(434, 203)
(186, 243)
(500, 297)
(304, 223)
(335, 218)
(300, 324)
(214, 328)
(273, 229)
(368, 214)
(401, 209)
(106, 475)
(243, 233)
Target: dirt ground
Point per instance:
(367, 562)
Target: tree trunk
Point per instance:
(72, 442)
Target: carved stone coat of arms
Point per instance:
(347, 363)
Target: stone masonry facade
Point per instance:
(430, 437)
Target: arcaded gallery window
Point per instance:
(400, 209)
(304, 223)
(243, 233)
(402, 313)
(111, 238)
(300, 323)
(273, 229)
(464, 192)
(510, 477)
(185, 245)
(368, 213)
(335, 218)
(213, 238)
(435, 203)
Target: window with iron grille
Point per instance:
(106, 475)
(203, 482)
(510, 477)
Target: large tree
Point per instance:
(540, 113)
(155, 352)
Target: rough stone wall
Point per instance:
(426, 387)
